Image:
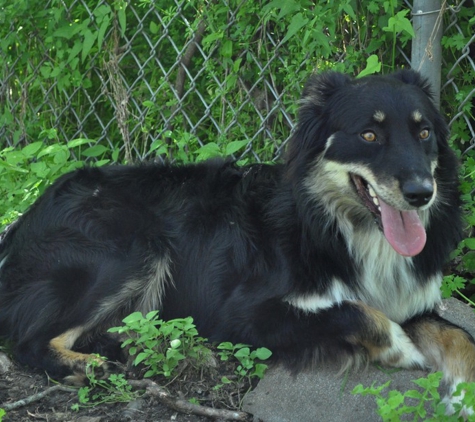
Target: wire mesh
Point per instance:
(145, 95)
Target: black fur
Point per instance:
(240, 248)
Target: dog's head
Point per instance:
(368, 149)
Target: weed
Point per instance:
(247, 359)
(115, 389)
(422, 405)
(160, 346)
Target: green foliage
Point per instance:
(67, 50)
(115, 389)
(26, 172)
(49, 47)
(160, 346)
(2, 414)
(394, 406)
(247, 358)
(459, 109)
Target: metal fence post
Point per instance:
(426, 55)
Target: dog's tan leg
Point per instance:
(427, 341)
(447, 348)
(61, 347)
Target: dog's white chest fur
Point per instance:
(389, 283)
(386, 281)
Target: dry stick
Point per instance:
(186, 58)
(153, 389)
(119, 93)
(181, 74)
(35, 397)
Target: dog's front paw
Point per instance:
(95, 369)
(454, 404)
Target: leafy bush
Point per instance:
(395, 406)
(161, 345)
(26, 172)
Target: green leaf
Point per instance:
(140, 358)
(133, 317)
(102, 31)
(151, 315)
(470, 243)
(286, 7)
(75, 50)
(40, 169)
(95, 151)
(175, 344)
(120, 8)
(413, 394)
(78, 142)
(297, 22)
(242, 353)
(450, 284)
(211, 149)
(227, 49)
(235, 146)
(469, 261)
(50, 150)
(399, 23)
(263, 353)
(89, 39)
(154, 28)
(373, 65)
(31, 149)
(225, 345)
(65, 32)
(218, 35)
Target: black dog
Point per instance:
(338, 252)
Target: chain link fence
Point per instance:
(461, 96)
(175, 77)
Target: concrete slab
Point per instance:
(324, 396)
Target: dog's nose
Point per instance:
(418, 193)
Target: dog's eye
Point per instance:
(424, 134)
(369, 136)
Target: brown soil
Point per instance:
(19, 383)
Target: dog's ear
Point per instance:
(319, 88)
(411, 77)
(311, 134)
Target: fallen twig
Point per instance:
(184, 406)
(35, 397)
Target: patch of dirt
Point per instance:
(157, 398)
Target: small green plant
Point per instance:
(160, 346)
(421, 405)
(247, 358)
(2, 414)
(114, 389)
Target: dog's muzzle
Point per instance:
(403, 229)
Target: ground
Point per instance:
(155, 399)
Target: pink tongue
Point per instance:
(403, 230)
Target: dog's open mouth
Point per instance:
(403, 229)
